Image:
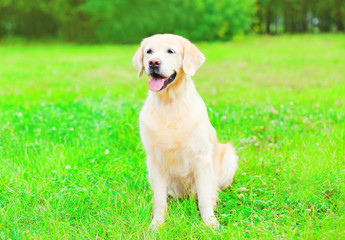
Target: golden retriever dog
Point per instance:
(183, 154)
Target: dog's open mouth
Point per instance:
(159, 82)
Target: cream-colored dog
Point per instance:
(181, 144)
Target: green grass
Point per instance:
(72, 165)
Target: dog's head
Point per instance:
(164, 57)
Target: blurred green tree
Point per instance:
(129, 21)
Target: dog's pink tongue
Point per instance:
(156, 84)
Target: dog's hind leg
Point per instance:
(225, 164)
(176, 189)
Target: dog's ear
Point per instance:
(138, 60)
(192, 59)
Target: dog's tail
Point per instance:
(225, 164)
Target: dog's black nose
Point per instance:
(154, 63)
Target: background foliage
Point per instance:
(125, 21)
(128, 21)
(293, 16)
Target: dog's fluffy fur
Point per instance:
(181, 144)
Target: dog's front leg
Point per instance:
(158, 179)
(205, 181)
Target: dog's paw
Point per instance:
(155, 224)
(212, 222)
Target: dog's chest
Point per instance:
(168, 132)
(171, 127)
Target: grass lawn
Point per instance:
(72, 165)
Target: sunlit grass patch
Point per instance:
(72, 164)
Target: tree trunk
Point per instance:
(268, 21)
(339, 16)
(287, 17)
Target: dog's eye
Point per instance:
(149, 51)
(171, 51)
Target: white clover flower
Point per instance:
(243, 189)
